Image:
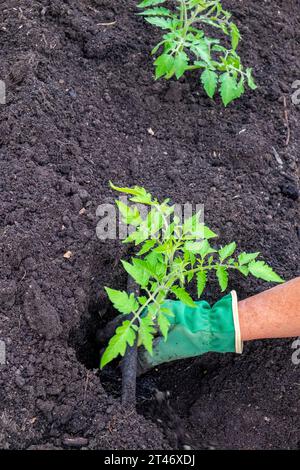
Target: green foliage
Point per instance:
(171, 255)
(124, 335)
(186, 46)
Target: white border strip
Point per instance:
(236, 321)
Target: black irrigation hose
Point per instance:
(129, 363)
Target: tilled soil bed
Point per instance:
(80, 101)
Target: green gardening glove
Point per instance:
(195, 331)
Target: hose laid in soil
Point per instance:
(129, 363)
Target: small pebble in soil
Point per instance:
(83, 194)
(72, 93)
(75, 442)
(290, 190)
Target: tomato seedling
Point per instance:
(171, 255)
(186, 46)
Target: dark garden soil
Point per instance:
(81, 98)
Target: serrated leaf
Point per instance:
(124, 335)
(261, 270)
(200, 63)
(201, 49)
(131, 216)
(183, 295)
(206, 249)
(169, 231)
(244, 270)
(228, 88)
(192, 225)
(147, 246)
(162, 23)
(193, 247)
(159, 11)
(122, 302)
(155, 49)
(164, 324)
(138, 193)
(227, 251)
(208, 233)
(235, 36)
(138, 237)
(146, 332)
(154, 221)
(152, 264)
(164, 65)
(164, 248)
(219, 48)
(137, 272)
(245, 258)
(209, 80)
(222, 276)
(150, 3)
(240, 89)
(201, 282)
(250, 79)
(180, 64)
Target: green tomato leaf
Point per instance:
(124, 335)
(139, 194)
(137, 272)
(245, 258)
(240, 89)
(142, 299)
(122, 302)
(164, 324)
(235, 36)
(227, 251)
(150, 3)
(261, 270)
(228, 88)
(209, 80)
(206, 249)
(219, 48)
(180, 64)
(222, 276)
(147, 246)
(183, 295)
(201, 282)
(244, 270)
(208, 233)
(250, 79)
(155, 49)
(159, 11)
(146, 332)
(131, 216)
(202, 50)
(193, 247)
(162, 23)
(192, 225)
(164, 65)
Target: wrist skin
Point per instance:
(274, 313)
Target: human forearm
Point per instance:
(274, 313)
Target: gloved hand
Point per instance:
(195, 331)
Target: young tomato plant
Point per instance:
(185, 45)
(171, 254)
